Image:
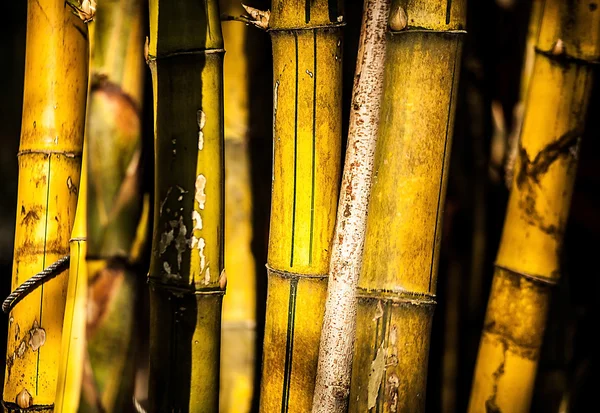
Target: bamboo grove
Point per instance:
(143, 279)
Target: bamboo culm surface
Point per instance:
(307, 69)
(54, 99)
(186, 277)
(339, 323)
(397, 284)
(528, 261)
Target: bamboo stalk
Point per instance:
(397, 284)
(187, 281)
(307, 70)
(73, 348)
(339, 323)
(114, 206)
(527, 265)
(56, 62)
(239, 320)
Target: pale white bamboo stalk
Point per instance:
(339, 324)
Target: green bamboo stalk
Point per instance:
(187, 281)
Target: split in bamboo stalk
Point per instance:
(238, 323)
(187, 280)
(307, 70)
(56, 63)
(527, 265)
(339, 323)
(397, 284)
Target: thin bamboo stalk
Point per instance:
(339, 323)
(397, 285)
(73, 348)
(56, 63)
(239, 320)
(187, 281)
(307, 70)
(114, 206)
(527, 265)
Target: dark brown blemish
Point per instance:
(562, 147)
(593, 6)
(32, 216)
(490, 403)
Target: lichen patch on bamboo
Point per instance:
(201, 119)
(197, 219)
(375, 376)
(200, 195)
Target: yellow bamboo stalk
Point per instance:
(187, 281)
(238, 324)
(307, 70)
(527, 265)
(397, 285)
(73, 348)
(54, 101)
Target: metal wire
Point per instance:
(31, 284)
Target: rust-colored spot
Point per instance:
(32, 216)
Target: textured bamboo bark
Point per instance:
(339, 323)
(113, 136)
(54, 101)
(397, 285)
(187, 281)
(307, 63)
(238, 324)
(527, 264)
